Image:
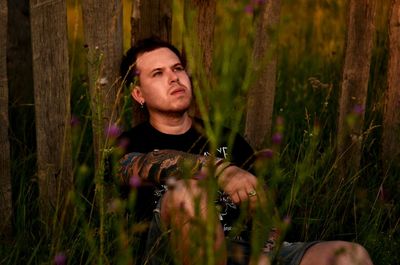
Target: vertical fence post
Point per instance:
(391, 119)
(204, 29)
(52, 103)
(102, 26)
(5, 170)
(261, 96)
(151, 18)
(354, 86)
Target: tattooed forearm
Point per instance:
(158, 165)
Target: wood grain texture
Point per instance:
(260, 99)
(5, 169)
(52, 103)
(354, 87)
(102, 25)
(391, 119)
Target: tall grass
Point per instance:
(306, 200)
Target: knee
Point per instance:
(337, 252)
(183, 199)
(351, 253)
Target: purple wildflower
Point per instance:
(136, 73)
(358, 109)
(74, 121)
(113, 131)
(287, 220)
(266, 153)
(258, 2)
(249, 9)
(123, 143)
(114, 206)
(277, 138)
(134, 181)
(60, 259)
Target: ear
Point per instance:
(137, 95)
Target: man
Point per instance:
(162, 85)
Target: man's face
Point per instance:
(164, 84)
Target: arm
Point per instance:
(157, 166)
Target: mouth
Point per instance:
(178, 90)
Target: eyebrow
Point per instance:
(161, 68)
(177, 64)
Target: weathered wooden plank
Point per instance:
(391, 119)
(151, 18)
(102, 23)
(354, 86)
(52, 102)
(5, 170)
(261, 96)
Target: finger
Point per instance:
(234, 197)
(253, 198)
(251, 192)
(242, 194)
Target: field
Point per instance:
(308, 200)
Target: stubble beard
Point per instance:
(175, 112)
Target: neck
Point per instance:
(171, 124)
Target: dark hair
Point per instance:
(128, 68)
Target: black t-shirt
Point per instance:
(145, 138)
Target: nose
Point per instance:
(172, 76)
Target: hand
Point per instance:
(241, 186)
(181, 200)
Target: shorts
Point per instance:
(157, 247)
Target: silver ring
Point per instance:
(252, 193)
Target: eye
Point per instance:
(156, 73)
(179, 68)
